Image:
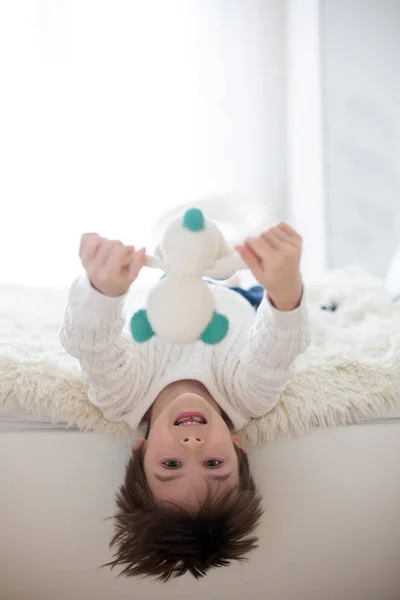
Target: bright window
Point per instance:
(114, 111)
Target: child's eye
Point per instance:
(172, 464)
(213, 463)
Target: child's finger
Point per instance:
(130, 251)
(259, 246)
(89, 246)
(292, 234)
(278, 234)
(274, 239)
(85, 239)
(137, 263)
(118, 257)
(105, 254)
(102, 254)
(251, 260)
(288, 240)
(139, 257)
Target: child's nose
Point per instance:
(192, 441)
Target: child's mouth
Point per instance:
(190, 419)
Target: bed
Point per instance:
(332, 528)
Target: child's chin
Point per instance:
(189, 402)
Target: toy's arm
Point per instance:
(226, 267)
(154, 262)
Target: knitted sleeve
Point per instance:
(93, 333)
(265, 363)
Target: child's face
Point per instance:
(180, 460)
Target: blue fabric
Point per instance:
(254, 294)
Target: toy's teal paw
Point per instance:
(216, 330)
(140, 327)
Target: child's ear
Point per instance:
(237, 441)
(138, 443)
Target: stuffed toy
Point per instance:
(181, 307)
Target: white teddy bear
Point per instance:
(180, 307)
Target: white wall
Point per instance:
(331, 529)
(360, 59)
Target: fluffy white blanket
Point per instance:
(350, 372)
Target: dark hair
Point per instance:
(163, 540)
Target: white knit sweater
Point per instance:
(245, 373)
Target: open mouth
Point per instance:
(190, 419)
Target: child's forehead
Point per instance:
(192, 491)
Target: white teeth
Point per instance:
(190, 421)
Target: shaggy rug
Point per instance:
(350, 372)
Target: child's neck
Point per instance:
(176, 389)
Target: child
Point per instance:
(188, 502)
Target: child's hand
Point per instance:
(274, 260)
(111, 266)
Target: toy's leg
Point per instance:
(140, 327)
(216, 330)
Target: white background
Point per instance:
(112, 112)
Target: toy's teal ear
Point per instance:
(193, 219)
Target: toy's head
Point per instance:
(192, 244)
